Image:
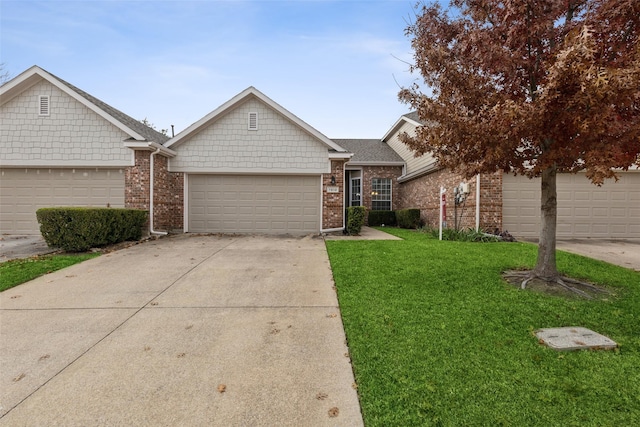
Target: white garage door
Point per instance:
(23, 191)
(254, 204)
(584, 210)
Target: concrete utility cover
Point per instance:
(574, 338)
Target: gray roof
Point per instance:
(136, 125)
(369, 150)
(413, 116)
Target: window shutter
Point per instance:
(43, 105)
(253, 121)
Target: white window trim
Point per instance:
(252, 123)
(390, 193)
(44, 99)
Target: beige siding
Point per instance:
(254, 204)
(413, 163)
(23, 191)
(278, 146)
(71, 135)
(584, 210)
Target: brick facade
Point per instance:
(424, 193)
(370, 172)
(168, 197)
(333, 203)
(168, 191)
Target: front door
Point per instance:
(355, 197)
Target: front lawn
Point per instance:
(15, 272)
(437, 337)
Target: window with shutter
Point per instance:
(253, 121)
(43, 105)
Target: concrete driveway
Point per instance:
(625, 253)
(185, 330)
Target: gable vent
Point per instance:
(43, 105)
(253, 121)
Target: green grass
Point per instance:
(438, 338)
(15, 272)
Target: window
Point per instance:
(381, 194)
(253, 121)
(43, 105)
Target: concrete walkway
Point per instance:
(186, 330)
(367, 233)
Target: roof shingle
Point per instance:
(369, 150)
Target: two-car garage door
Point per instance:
(584, 210)
(269, 204)
(23, 191)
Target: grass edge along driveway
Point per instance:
(437, 337)
(18, 271)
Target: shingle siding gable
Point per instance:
(71, 134)
(226, 145)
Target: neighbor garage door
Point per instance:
(254, 204)
(584, 210)
(23, 191)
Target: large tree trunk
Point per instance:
(546, 264)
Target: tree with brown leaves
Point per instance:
(530, 87)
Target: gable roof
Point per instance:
(411, 118)
(132, 127)
(251, 92)
(370, 152)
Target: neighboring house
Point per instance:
(512, 203)
(60, 146)
(251, 166)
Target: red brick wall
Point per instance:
(333, 203)
(168, 191)
(370, 172)
(491, 201)
(424, 193)
(168, 197)
(137, 182)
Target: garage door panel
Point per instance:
(255, 204)
(584, 210)
(23, 191)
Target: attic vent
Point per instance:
(253, 121)
(43, 105)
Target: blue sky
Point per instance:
(335, 64)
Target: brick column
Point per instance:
(333, 203)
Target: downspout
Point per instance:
(151, 179)
(478, 202)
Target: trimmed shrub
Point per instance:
(408, 218)
(77, 229)
(377, 218)
(355, 219)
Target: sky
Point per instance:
(337, 65)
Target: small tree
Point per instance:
(4, 74)
(147, 123)
(531, 88)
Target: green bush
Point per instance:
(377, 218)
(468, 235)
(408, 218)
(355, 219)
(76, 229)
